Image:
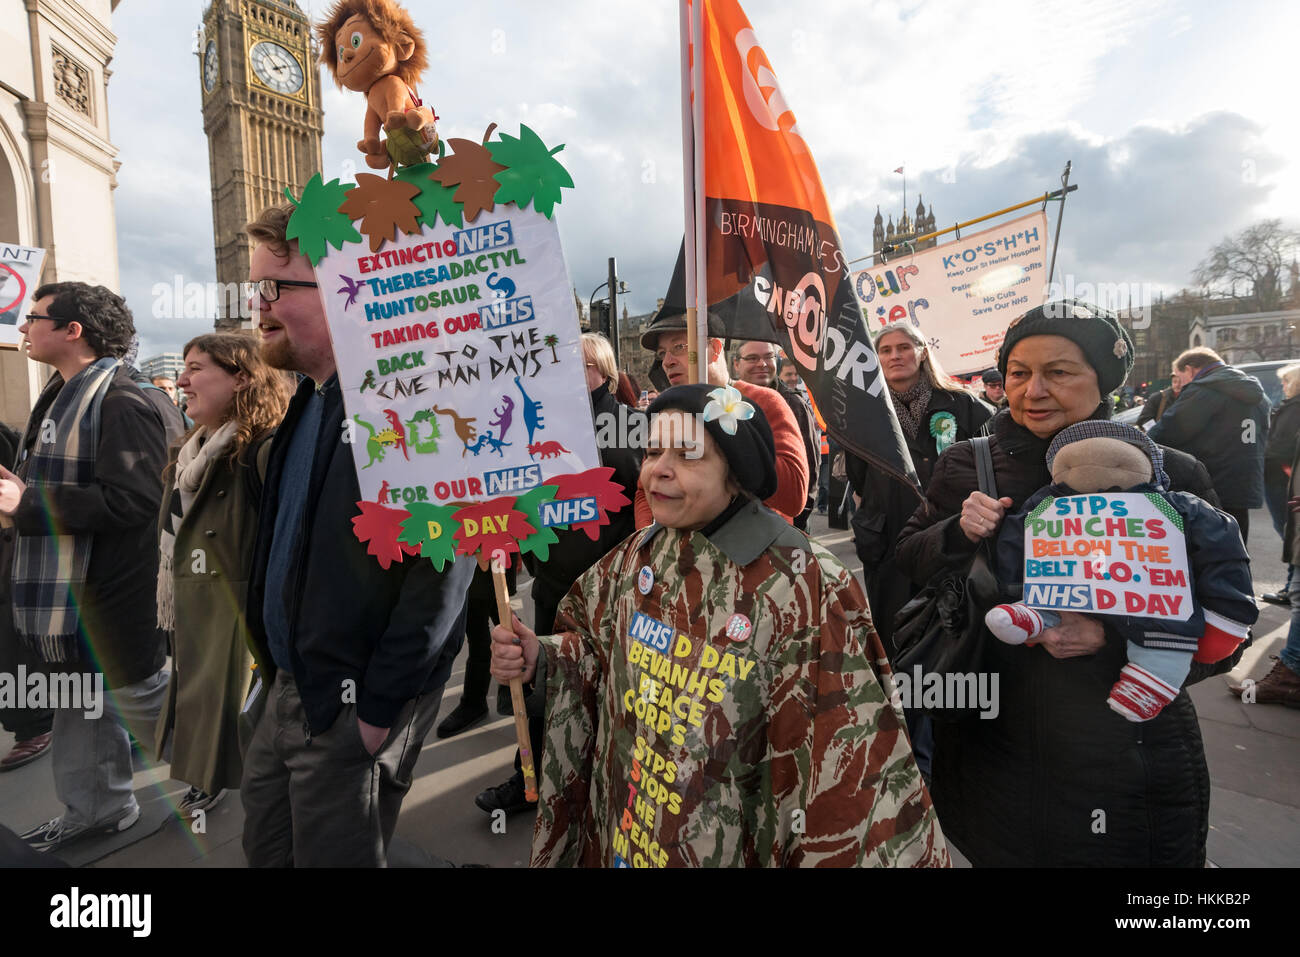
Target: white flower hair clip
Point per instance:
(1121, 348)
(728, 406)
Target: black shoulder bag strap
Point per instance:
(984, 466)
(982, 564)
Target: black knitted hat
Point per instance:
(750, 450)
(1105, 343)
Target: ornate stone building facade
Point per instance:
(1185, 321)
(58, 167)
(905, 232)
(1249, 337)
(262, 114)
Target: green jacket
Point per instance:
(211, 651)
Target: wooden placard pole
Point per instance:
(516, 687)
(692, 345)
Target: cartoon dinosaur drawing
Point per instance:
(488, 439)
(430, 444)
(395, 423)
(497, 444)
(548, 450)
(504, 287)
(369, 381)
(379, 442)
(532, 413)
(352, 287)
(504, 415)
(464, 427)
(383, 493)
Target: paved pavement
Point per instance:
(1252, 752)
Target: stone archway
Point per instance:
(9, 231)
(18, 379)
(15, 191)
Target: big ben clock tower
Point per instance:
(262, 114)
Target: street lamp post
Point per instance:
(616, 286)
(612, 281)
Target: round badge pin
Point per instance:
(646, 580)
(738, 627)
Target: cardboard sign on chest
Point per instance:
(690, 645)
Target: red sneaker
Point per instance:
(1139, 695)
(1014, 624)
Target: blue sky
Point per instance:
(1179, 119)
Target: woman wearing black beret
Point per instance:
(1057, 778)
(716, 693)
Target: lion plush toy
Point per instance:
(1098, 456)
(374, 47)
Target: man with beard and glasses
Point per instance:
(356, 656)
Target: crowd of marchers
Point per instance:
(705, 684)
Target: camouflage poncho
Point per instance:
(724, 702)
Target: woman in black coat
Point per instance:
(1057, 778)
(934, 411)
(1283, 429)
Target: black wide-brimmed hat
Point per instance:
(676, 322)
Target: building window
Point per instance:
(71, 82)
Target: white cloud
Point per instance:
(1163, 108)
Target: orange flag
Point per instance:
(775, 267)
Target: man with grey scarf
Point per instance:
(83, 502)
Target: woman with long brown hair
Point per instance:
(212, 488)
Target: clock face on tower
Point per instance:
(276, 67)
(210, 66)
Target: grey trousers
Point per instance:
(92, 756)
(324, 801)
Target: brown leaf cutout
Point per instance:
(383, 206)
(471, 169)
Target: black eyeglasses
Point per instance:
(269, 289)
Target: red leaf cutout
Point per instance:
(379, 526)
(488, 526)
(592, 483)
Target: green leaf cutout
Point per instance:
(530, 503)
(532, 174)
(415, 531)
(316, 222)
(435, 200)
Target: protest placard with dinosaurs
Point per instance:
(457, 342)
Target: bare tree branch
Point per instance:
(1257, 256)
